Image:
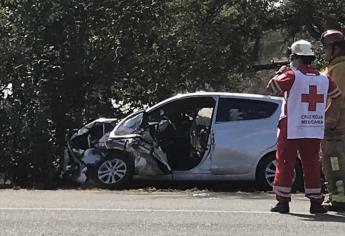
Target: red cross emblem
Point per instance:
(312, 98)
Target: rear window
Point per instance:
(234, 109)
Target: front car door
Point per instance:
(191, 117)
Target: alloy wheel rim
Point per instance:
(112, 171)
(271, 170)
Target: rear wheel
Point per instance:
(266, 171)
(115, 172)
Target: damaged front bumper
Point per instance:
(77, 162)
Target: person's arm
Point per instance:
(272, 86)
(282, 81)
(334, 107)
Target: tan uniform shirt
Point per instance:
(335, 113)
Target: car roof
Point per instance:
(100, 120)
(220, 94)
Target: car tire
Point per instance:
(114, 172)
(266, 171)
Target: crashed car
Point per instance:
(86, 148)
(195, 136)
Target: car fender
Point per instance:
(268, 151)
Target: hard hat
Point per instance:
(332, 36)
(302, 48)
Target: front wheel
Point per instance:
(266, 171)
(114, 172)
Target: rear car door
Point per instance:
(243, 130)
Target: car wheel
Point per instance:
(114, 172)
(266, 172)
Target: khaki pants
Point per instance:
(333, 162)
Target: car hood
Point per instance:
(83, 130)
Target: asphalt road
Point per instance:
(158, 212)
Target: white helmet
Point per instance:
(302, 48)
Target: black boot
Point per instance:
(281, 207)
(316, 208)
(335, 206)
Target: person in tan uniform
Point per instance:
(333, 145)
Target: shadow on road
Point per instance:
(329, 217)
(214, 186)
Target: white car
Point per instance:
(194, 136)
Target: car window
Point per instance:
(183, 112)
(186, 108)
(234, 109)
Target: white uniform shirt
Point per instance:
(306, 106)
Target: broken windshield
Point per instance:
(130, 124)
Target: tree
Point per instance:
(313, 16)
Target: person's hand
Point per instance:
(282, 70)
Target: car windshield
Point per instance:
(130, 124)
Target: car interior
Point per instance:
(185, 139)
